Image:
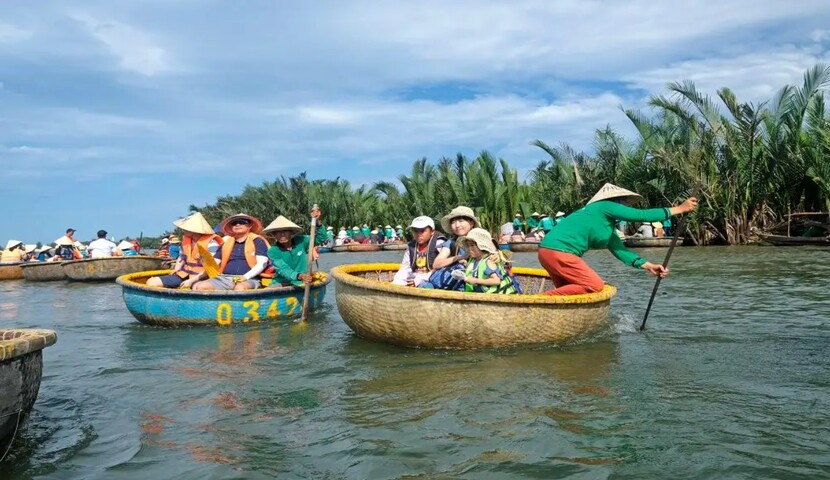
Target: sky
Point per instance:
(120, 115)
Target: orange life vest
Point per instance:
(192, 259)
(250, 254)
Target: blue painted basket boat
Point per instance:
(323, 249)
(168, 307)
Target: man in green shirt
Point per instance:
(517, 222)
(592, 227)
(289, 253)
(546, 223)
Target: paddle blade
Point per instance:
(211, 267)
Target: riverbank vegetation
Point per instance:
(750, 165)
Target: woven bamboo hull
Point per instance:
(339, 248)
(524, 246)
(638, 242)
(393, 246)
(99, 269)
(362, 247)
(21, 368)
(167, 307)
(412, 317)
(11, 271)
(323, 249)
(43, 271)
(785, 241)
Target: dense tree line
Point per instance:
(750, 164)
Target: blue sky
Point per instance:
(119, 115)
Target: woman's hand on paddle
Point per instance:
(655, 269)
(304, 277)
(688, 206)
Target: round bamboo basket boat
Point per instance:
(43, 271)
(11, 271)
(340, 248)
(417, 317)
(21, 367)
(524, 246)
(393, 246)
(642, 242)
(363, 247)
(323, 249)
(169, 307)
(109, 268)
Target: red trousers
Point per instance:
(570, 274)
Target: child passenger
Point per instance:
(483, 274)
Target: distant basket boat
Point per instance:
(323, 249)
(643, 242)
(785, 241)
(524, 246)
(43, 271)
(363, 247)
(393, 246)
(168, 307)
(339, 248)
(414, 317)
(21, 368)
(108, 268)
(11, 271)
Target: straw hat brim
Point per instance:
(64, 241)
(481, 238)
(446, 220)
(194, 223)
(175, 240)
(12, 243)
(31, 248)
(610, 191)
(225, 227)
(125, 245)
(282, 223)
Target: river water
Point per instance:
(731, 380)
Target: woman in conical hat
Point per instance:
(188, 268)
(592, 227)
(14, 252)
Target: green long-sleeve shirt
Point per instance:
(532, 222)
(291, 262)
(592, 227)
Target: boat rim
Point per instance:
(133, 257)
(344, 274)
(127, 281)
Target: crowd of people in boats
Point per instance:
(68, 248)
(461, 255)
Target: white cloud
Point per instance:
(12, 34)
(136, 50)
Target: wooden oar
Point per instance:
(211, 267)
(681, 227)
(307, 288)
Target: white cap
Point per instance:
(422, 222)
(560, 214)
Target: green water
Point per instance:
(731, 380)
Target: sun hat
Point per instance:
(422, 222)
(225, 226)
(518, 215)
(164, 240)
(459, 211)
(387, 226)
(398, 226)
(657, 224)
(329, 228)
(64, 241)
(544, 215)
(355, 228)
(535, 214)
(44, 248)
(282, 223)
(481, 238)
(30, 247)
(609, 191)
(374, 231)
(560, 214)
(13, 243)
(194, 223)
(125, 245)
(174, 239)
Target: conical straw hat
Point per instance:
(194, 223)
(125, 245)
(64, 241)
(12, 243)
(460, 211)
(610, 190)
(225, 227)
(30, 247)
(282, 223)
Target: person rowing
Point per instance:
(592, 227)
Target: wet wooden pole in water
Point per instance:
(307, 287)
(681, 227)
